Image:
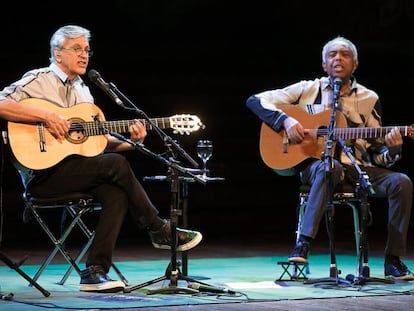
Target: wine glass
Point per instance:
(204, 152)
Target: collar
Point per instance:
(63, 76)
(326, 84)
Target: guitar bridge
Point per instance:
(285, 142)
(42, 137)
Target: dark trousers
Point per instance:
(396, 187)
(109, 178)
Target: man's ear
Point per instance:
(356, 63)
(324, 66)
(56, 53)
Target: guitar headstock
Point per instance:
(185, 123)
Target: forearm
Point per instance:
(11, 110)
(274, 117)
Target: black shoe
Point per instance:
(395, 269)
(94, 279)
(300, 252)
(186, 239)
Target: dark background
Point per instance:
(206, 58)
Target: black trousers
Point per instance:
(109, 178)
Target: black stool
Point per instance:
(74, 206)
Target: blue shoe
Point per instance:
(300, 252)
(394, 268)
(95, 279)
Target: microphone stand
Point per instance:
(363, 188)
(330, 208)
(167, 139)
(172, 272)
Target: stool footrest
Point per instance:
(298, 270)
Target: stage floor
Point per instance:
(246, 266)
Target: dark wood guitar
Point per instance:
(280, 154)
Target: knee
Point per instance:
(400, 184)
(118, 163)
(404, 183)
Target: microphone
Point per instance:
(336, 88)
(96, 78)
(210, 289)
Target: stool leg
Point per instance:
(16, 267)
(59, 243)
(301, 210)
(357, 230)
(90, 235)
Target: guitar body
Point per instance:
(283, 156)
(31, 152)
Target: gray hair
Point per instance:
(340, 39)
(65, 32)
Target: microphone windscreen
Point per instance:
(93, 75)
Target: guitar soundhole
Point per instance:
(76, 134)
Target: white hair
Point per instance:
(69, 31)
(342, 40)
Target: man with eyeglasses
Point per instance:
(107, 176)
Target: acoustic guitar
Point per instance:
(283, 156)
(35, 148)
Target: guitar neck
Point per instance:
(364, 132)
(94, 128)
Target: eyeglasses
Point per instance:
(79, 51)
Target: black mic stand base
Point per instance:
(172, 288)
(361, 280)
(332, 279)
(364, 278)
(328, 280)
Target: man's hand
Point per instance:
(294, 130)
(138, 131)
(57, 125)
(394, 141)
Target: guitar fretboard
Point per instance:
(93, 128)
(363, 132)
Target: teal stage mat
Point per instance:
(251, 278)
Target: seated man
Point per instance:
(107, 176)
(361, 108)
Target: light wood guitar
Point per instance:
(280, 154)
(34, 147)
